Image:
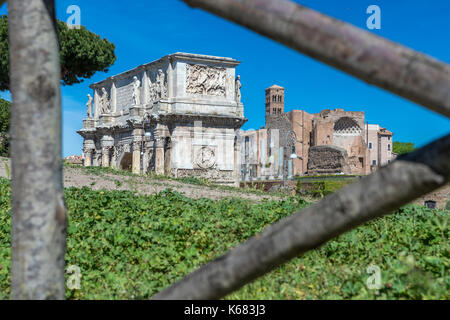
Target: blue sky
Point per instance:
(146, 30)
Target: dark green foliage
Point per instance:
(130, 247)
(298, 187)
(82, 54)
(402, 147)
(5, 118)
(318, 189)
(410, 247)
(4, 54)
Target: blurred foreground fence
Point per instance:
(38, 229)
(38, 214)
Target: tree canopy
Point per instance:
(402, 147)
(82, 54)
(4, 127)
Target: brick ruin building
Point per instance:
(179, 115)
(328, 142)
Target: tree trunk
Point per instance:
(38, 213)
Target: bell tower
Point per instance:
(274, 100)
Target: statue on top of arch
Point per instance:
(105, 105)
(158, 89)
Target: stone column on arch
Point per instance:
(113, 96)
(114, 155)
(88, 151)
(88, 154)
(137, 150)
(136, 160)
(159, 156)
(146, 157)
(106, 156)
(107, 143)
(96, 104)
(145, 94)
(170, 79)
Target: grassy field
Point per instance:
(130, 247)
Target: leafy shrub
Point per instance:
(5, 116)
(133, 246)
(318, 189)
(130, 247)
(410, 247)
(402, 147)
(298, 187)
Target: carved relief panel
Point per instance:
(205, 80)
(204, 157)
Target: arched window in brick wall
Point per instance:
(347, 127)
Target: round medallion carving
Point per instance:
(206, 158)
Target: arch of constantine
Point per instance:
(179, 115)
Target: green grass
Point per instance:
(130, 247)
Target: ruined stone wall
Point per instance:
(323, 132)
(344, 129)
(302, 126)
(280, 122)
(326, 159)
(325, 117)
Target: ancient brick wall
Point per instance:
(327, 160)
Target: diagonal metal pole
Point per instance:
(387, 189)
(388, 65)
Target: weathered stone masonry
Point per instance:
(328, 142)
(179, 116)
